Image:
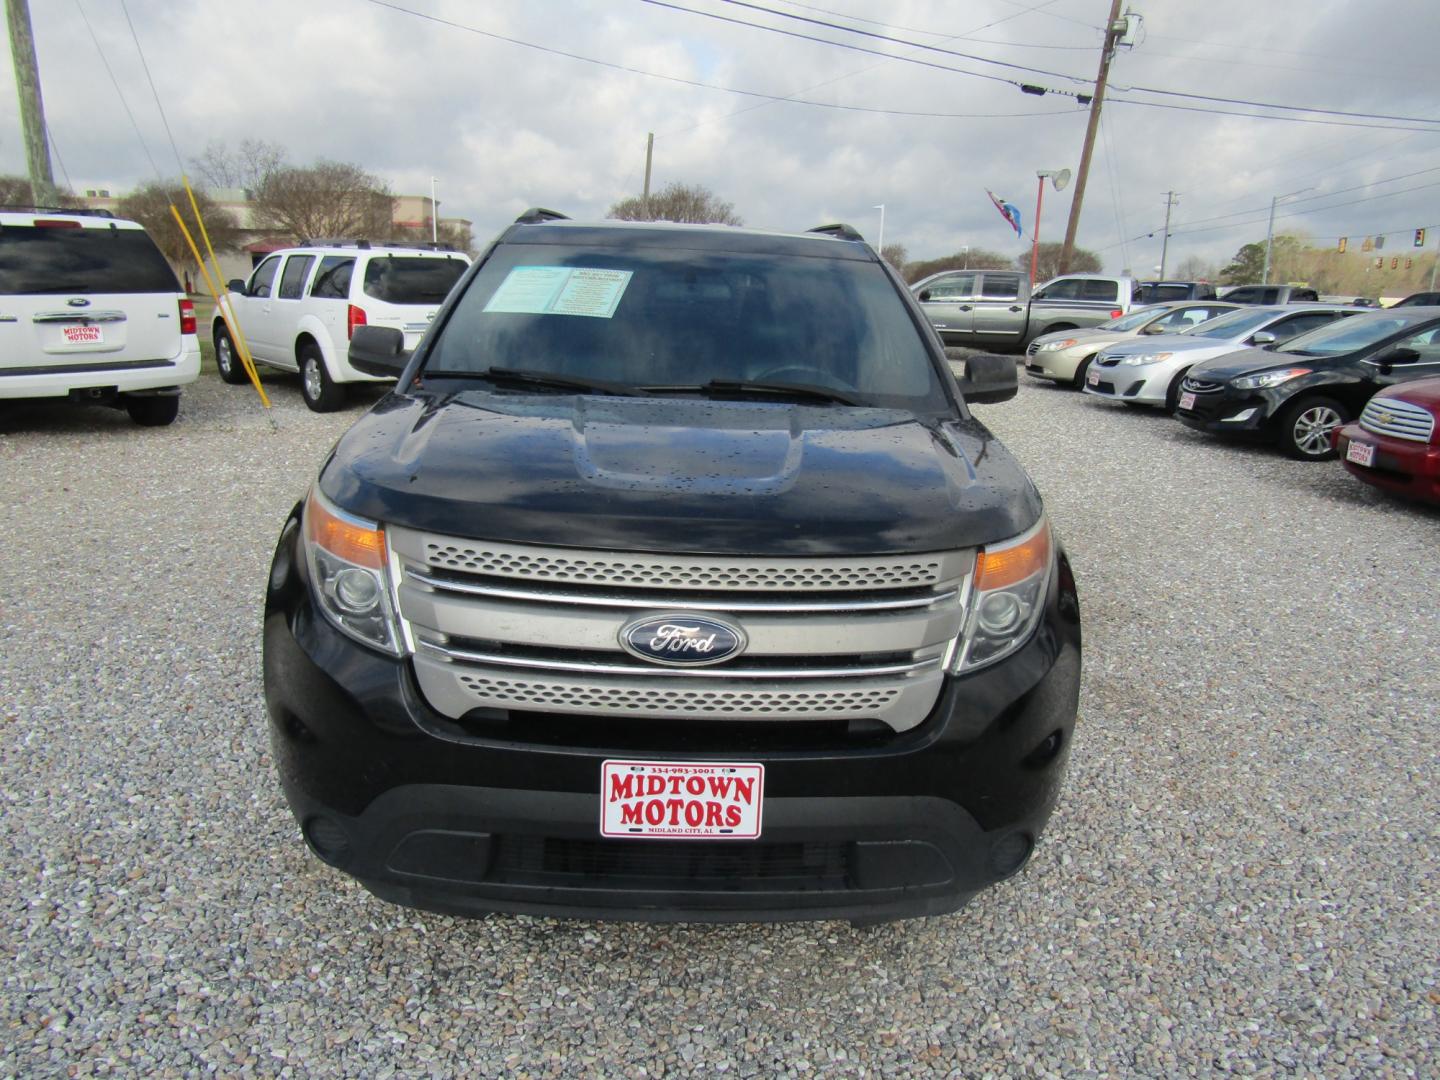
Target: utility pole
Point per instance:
(1114, 28)
(1171, 198)
(32, 109)
(1270, 230)
(649, 153)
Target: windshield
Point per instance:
(81, 261)
(1349, 335)
(411, 279)
(1134, 320)
(1236, 324)
(672, 317)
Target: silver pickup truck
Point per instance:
(994, 310)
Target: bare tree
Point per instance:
(1194, 268)
(327, 199)
(895, 255)
(677, 202)
(452, 234)
(16, 191)
(974, 259)
(245, 167)
(150, 206)
(1048, 264)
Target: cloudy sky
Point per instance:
(411, 89)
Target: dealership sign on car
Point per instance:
(673, 800)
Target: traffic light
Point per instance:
(1345, 240)
(1419, 237)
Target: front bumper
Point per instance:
(19, 381)
(503, 814)
(1229, 412)
(1144, 385)
(1402, 466)
(1058, 366)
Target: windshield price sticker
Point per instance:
(679, 800)
(560, 290)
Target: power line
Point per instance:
(1263, 116)
(155, 93)
(118, 92)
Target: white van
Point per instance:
(91, 311)
(301, 305)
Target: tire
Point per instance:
(158, 410)
(1172, 396)
(1078, 381)
(1305, 424)
(227, 359)
(320, 391)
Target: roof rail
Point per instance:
(838, 231)
(331, 241)
(84, 211)
(538, 215)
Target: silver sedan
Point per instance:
(1065, 355)
(1149, 371)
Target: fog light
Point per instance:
(356, 591)
(1010, 853)
(327, 839)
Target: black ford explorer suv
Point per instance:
(674, 580)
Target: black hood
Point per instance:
(669, 475)
(1244, 362)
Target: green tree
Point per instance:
(974, 259)
(150, 204)
(1246, 267)
(692, 203)
(1048, 265)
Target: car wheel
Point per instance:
(320, 391)
(1305, 426)
(1172, 396)
(227, 359)
(157, 410)
(1078, 382)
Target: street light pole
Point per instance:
(1035, 229)
(434, 215)
(1270, 230)
(881, 246)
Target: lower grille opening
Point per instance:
(814, 864)
(674, 734)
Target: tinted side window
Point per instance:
(1300, 324)
(951, 287)
(81, 261)
(1000, 286)
(264, 277)
(1064, 289)
(333, 280)
(292, 282)
(1108, 291)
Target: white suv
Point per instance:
(91, 311)
(301, 305)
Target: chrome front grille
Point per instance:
(505, 626)
(1201, 386)
(1398, 419)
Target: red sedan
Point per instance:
(1396, 442)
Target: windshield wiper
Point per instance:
(768, 389)
(526, 377)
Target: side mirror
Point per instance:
(1153, 328)
(236, 286)
(924, 295)
(983, 379)
(378, 350)
(1263, 338)
(1400, 355)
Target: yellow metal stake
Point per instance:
(246, 362)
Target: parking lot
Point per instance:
(1241, 876)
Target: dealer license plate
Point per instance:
(1187, 401)
(82, 335)
(1093, 378)
(1360, 453)
(677, 800)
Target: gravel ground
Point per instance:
(1241, 877)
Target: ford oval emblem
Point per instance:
(78, 301)
(682, 640)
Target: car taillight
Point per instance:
(355, 317)
(51, 223)
(1116, 313)
(187, 317)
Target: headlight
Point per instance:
(1055, 346)
(1144, 358)
(1268, 378)
(349, 575)
(1011, 579)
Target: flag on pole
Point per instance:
(1008, 210)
